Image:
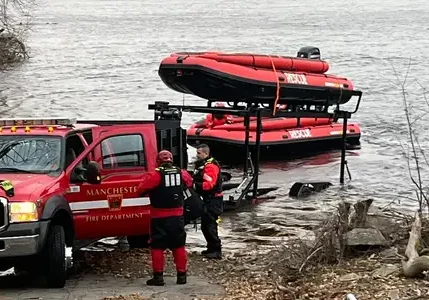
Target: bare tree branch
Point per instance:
(415, 156)
(14, 24)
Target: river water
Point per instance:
(99, 59)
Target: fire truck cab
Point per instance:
(64, 181)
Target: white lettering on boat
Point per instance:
(300, 134)
(296, 78)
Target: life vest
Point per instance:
(199, 174)
(169, 194)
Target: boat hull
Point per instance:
(213, 80)
(277, 144)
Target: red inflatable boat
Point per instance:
(281, 63)
(280, 137)
(256, 78)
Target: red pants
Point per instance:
(180, 259)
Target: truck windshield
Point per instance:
(29, 154)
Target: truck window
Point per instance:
(33, 154)
(88, 136)
(74, 147)
(123, 151)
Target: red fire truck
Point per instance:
(64, 183)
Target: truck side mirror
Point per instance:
(92, 173)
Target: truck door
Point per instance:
(114, 207)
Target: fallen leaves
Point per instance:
(275, 276)
(251, 277)
(126, 297)
(355, 276)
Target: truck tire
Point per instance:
(55, 257)
(138, 241)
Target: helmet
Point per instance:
(164, 156)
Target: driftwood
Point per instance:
(415, 264)
(358, 219)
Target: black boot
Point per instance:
(214, 255)
(157, 280)
(181, 278)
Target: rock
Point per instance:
(385, 271)
(393, 294)
(270, 231)
(364, 236)
(349, 277)
(385, 224)
(389, 253)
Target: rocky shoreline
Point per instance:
(369, 266)
(367, 263)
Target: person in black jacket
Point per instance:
(208, 183)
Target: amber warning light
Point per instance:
(37, 121)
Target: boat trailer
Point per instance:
(248, 190)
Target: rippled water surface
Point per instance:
(99, 59)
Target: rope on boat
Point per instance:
(278, 85)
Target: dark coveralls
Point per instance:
(165, 187)
(208, 183)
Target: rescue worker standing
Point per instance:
(208, 183)
(165, 188)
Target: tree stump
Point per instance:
(415, 264)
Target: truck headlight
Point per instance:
(22, 212)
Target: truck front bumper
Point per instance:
(23, 239)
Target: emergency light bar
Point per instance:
(37, 121)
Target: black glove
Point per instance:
(198, 185)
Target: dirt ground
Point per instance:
(118, 275)
(122, 275)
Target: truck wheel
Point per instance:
(138, 241)
(55, 257)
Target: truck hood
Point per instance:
(25, 185)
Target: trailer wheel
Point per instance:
(55, 257)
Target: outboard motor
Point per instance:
(309, 52)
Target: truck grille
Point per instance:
(3, 213)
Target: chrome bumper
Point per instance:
(19, 246)
(23, 239)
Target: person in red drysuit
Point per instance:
(165, 187)
(208, 183)
(218, 119)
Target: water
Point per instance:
(99, 59)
